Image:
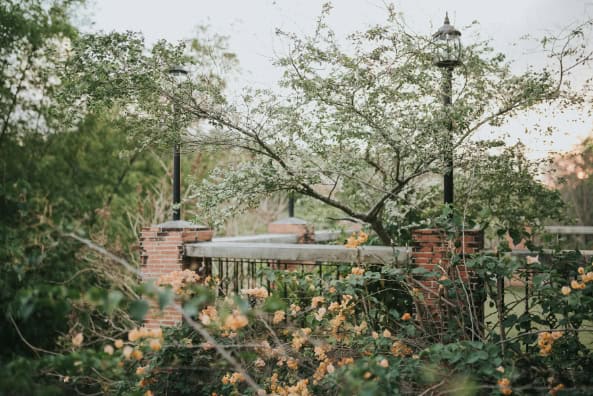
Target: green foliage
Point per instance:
(403, 361)
(408, 359)
(57, 179)
(360, 127)
(526, 201)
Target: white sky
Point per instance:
(250, 26)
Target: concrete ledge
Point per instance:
(290, 220)
(291, 252)
(570, 230)
(320, 236)
(179, 225)
(260, 238)
(525, 252)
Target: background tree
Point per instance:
(574, 179)
(571, 174)
(359, 128)
(503, 191)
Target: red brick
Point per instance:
(162, 253)
(432, 251)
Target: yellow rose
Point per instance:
(77, 340)
(565, 290)
(155, 345)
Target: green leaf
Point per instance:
(138, 309)
(114, 297)
(96, 295)
(540, 278)
(165, 297)
(274, 303)
(516, 235)
(190, 308)
(477, 355)
(395, 313)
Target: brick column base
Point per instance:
(305, 234)
(293, 225)
(162, 253)
(433, 251)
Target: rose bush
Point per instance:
(328, 335)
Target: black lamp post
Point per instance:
(178, 73)
(291, 204)
(447, 57)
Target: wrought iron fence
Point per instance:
(516, 298)
(238, 265)
(236, 274)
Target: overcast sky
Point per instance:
(250, 26)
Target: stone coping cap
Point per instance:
(181, 224)
(290, 220)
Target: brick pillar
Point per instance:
(292, 225)
(162, 253)
(433, 250)
(305, 234)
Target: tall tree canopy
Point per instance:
(59, 177)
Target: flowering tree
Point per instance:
(359, 127)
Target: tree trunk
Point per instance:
(377, 226)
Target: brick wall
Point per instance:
(162, 253)
(433, 250)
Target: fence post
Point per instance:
(162, 252)
(432, 250)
